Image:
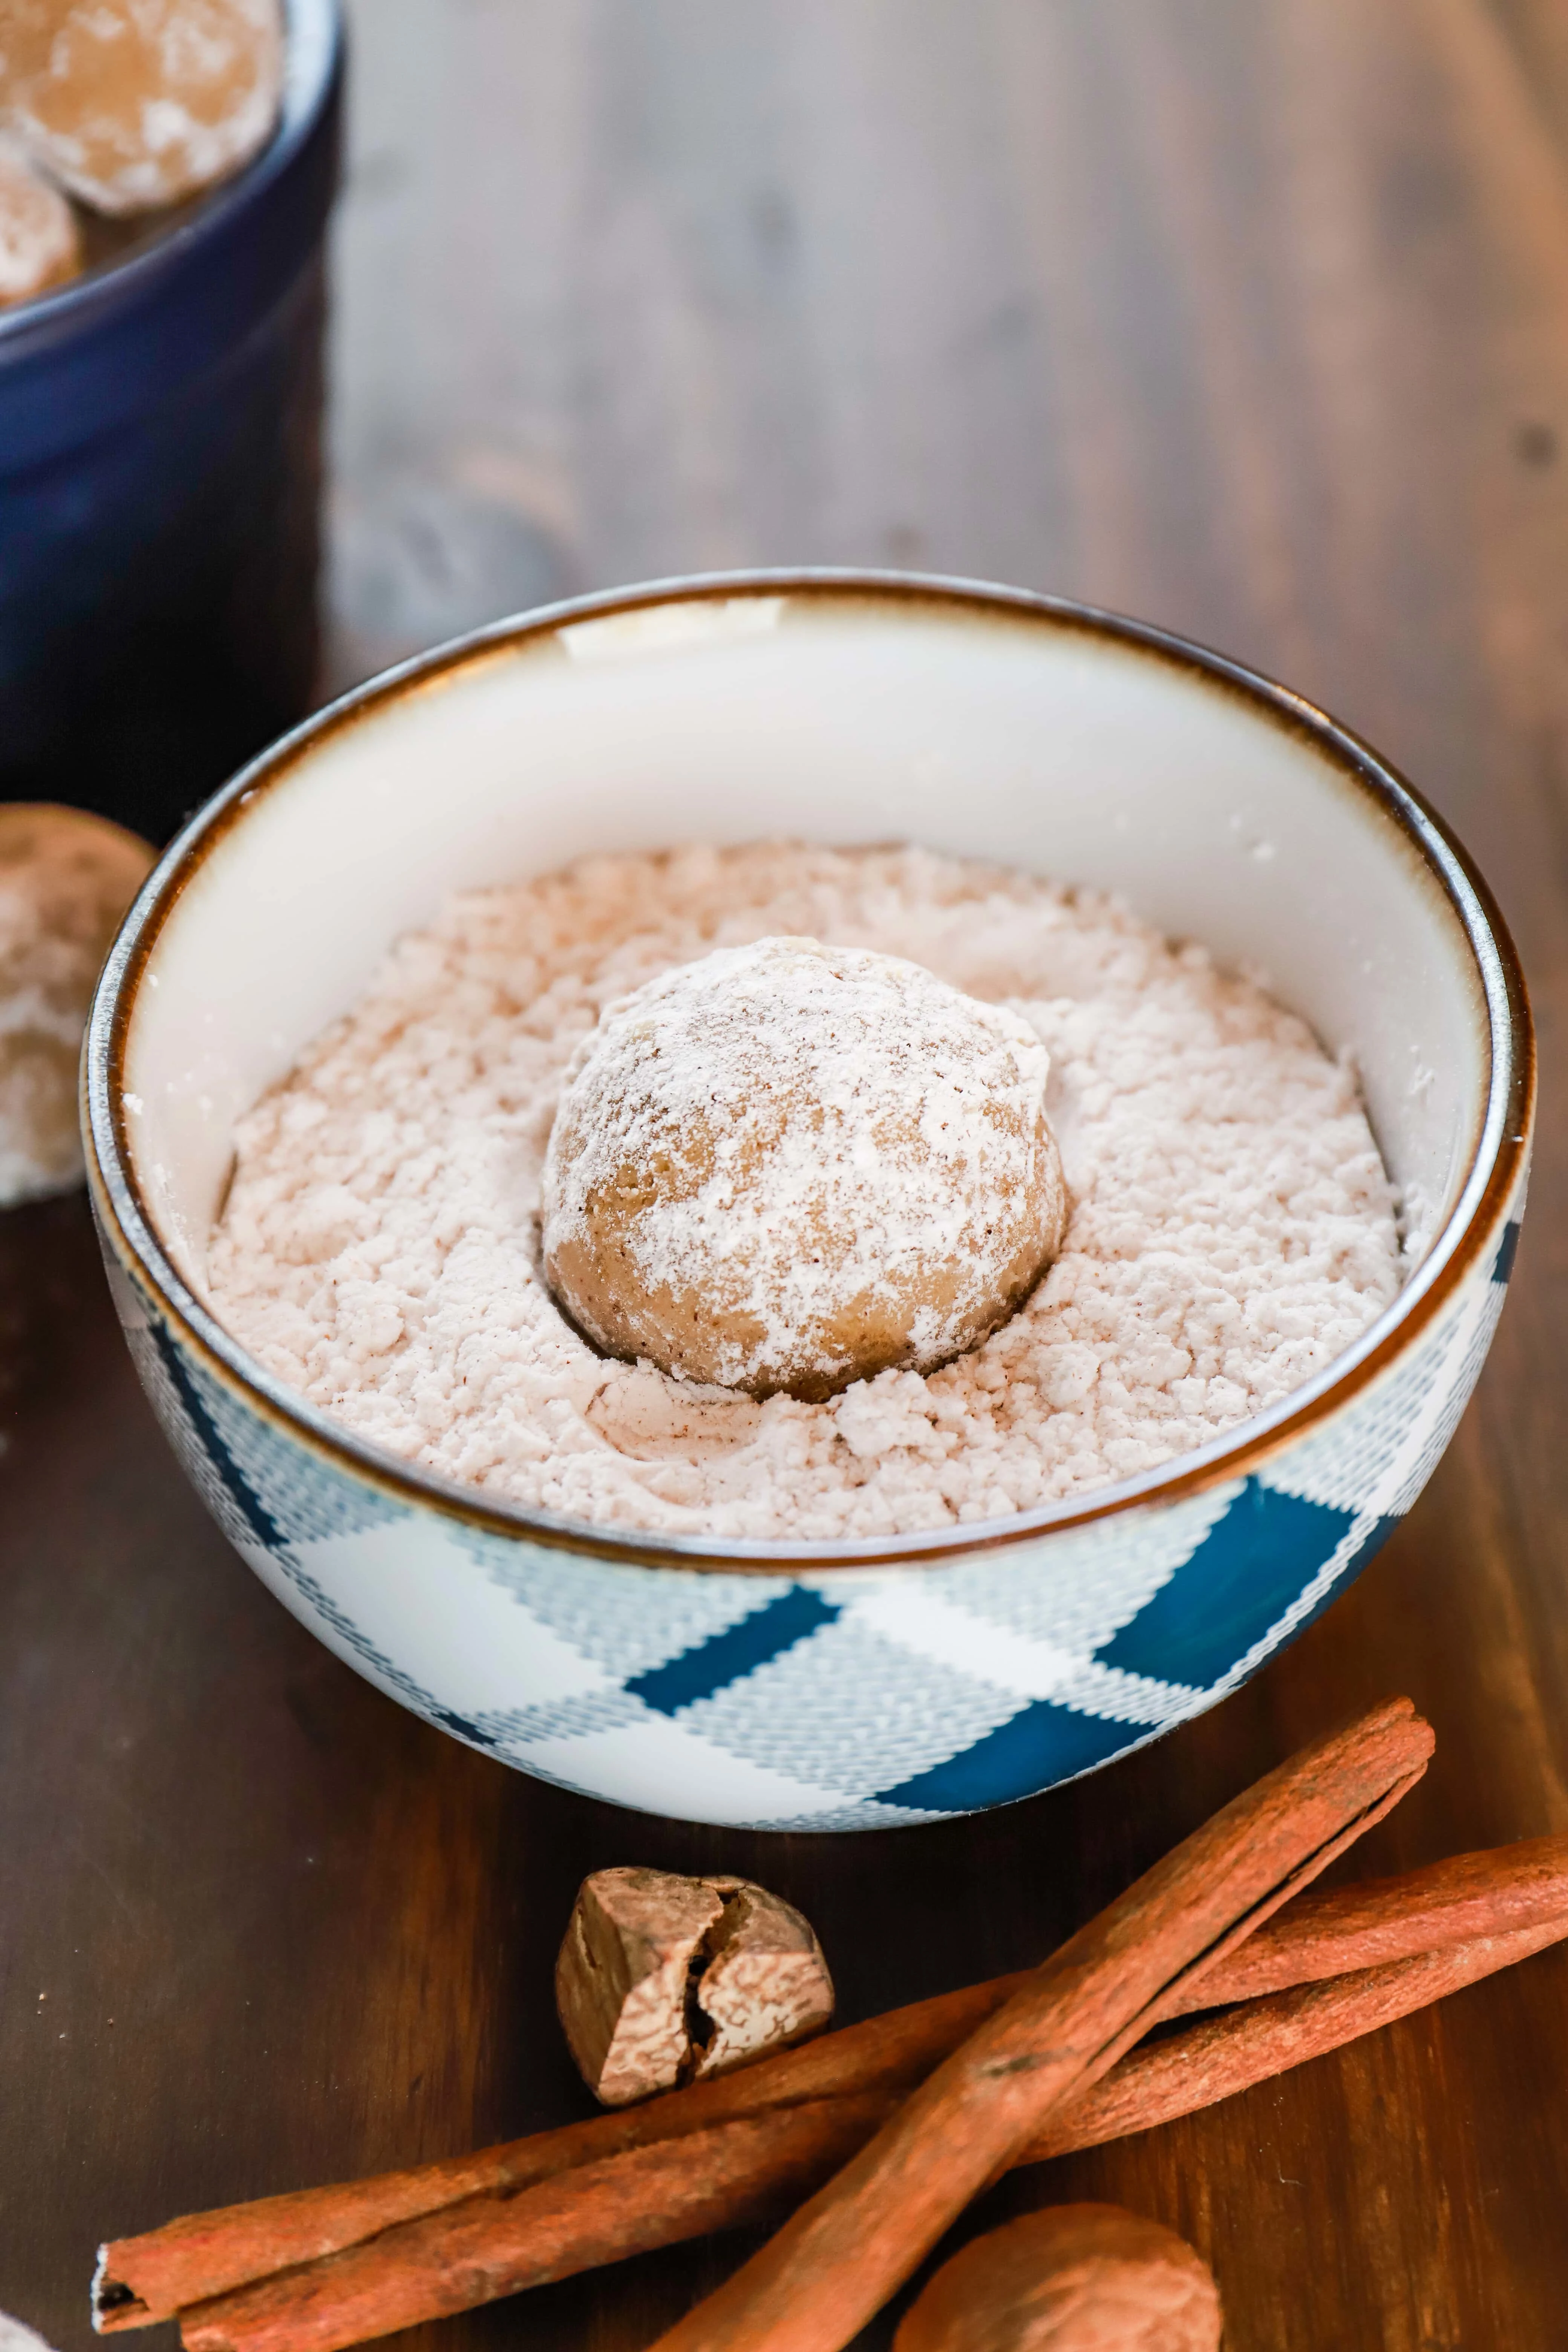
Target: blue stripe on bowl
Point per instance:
(724, 1657)
(1238, 1582)
(1041, 1744)
(247, 1502)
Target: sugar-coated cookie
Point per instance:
(38, 243)
(66, 879)
(789, 1166)
(134, 104)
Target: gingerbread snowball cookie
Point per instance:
(789, 1167)
(38, 243)
(66, 879)
(135, 104)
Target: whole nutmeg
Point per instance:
(663, 1980)
(1073, 2278)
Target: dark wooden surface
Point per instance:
(1247, 315)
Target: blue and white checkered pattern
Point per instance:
(844, 1699)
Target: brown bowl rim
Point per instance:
(1498, 1157)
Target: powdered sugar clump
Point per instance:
(1231, 1226)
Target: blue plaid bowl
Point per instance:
(817, 1686)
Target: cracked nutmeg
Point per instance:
(1071, 2278)
(663, 1980)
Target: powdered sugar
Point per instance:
(1231, 1227)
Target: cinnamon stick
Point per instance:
(836, 2262)
(1328, 1932)
(1320, 1934)
(1218, 2056)
(151, 2277)
(742, 2172)
(492, 2245)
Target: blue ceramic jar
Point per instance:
(160, 474)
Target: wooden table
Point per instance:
(1247, 315)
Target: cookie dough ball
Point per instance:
(38, 243)
(134, 104)
(66, 880)
(790, 1166)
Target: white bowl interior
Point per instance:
(838, 719)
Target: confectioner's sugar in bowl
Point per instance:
(893, 1679)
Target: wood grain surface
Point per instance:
(1249, 316)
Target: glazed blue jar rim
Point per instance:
(107, 346)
